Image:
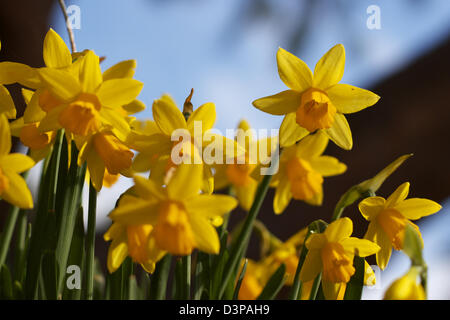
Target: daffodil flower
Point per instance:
(315, 101)
(389, 218)
(332, 253)
(180, 215)
(156, 145)
(13, 187)
(301, 172)
(239, 175)
(89, 103)
(406, 287)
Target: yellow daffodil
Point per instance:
(369, 280)
(136, 241)
(180, 215)
(238, 175)
(406, 287)
(89, 103)
(301, 172)
(156, 145)
(315, 102)
(13, 187)
(332, 253)
(389, 218)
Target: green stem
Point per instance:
(21, 247)
(90, 242)
(315, 287)
(240, 245)
(296, 286)
(158, 280)
(5, 240)
(186, 277)
(70, 203)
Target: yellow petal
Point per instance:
(114, 231)
(17, 192)
(290, 131)
(61, 83)
(340, 132)
(185, 182)
(328, 166)
(167, 116)
(33, 112)
(350, 99)
(210, 206)
(361, 247)
(316, 241)
(339, 229)
(51, 121)
(135, 211)
(279, 104)
(16, 162)
(205, 235)
(398, 195)
(371, 207)
(385, 244)
(11, 72)
(282, 197)
(56, 54)
(205, 114)
(96, 169)
(90, 73)
(5, 136)
(293, 71)
(123, 69)
(119, 125)
(312, 146)
(119, 92)
(117, 252)
(312, 266)
(246, 195)
(146, 188)
(6, 103)
(134, 106)
(330, 68)
(416, 208)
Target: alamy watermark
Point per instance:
(373, 22)
(211, 148)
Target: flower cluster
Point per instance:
(79, 113)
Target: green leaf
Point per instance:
(76, 255)
(412, 246)
(158, 280)
(202, 276)
(19, 294)
(356, 283)
(239, 282)
(6, 286)
(50, 275)
(274, 285)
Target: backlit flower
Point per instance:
(315, 102)
(389, 217)
(301, 172)
(332, 253)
